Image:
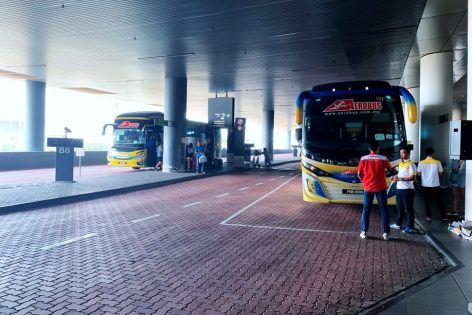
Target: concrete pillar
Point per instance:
(436, 83)
(175, 109)
(35, 116)
(468, 176)
(289, 139)
(268, 131)
(217, 144)
(413, 129)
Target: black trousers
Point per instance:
(433, 193)
(405, 198)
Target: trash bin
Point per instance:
(295, 150)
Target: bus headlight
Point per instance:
(314, 169)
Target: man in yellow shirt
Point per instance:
(430, 171)
(405, 192)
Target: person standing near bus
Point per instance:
(189, 156)
(199, 151)
(159, 155)
(430, 171)
(371, 171)
(405, 192)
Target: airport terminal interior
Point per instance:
(217, 157)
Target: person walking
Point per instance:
(430, 171)
(266, 157)
(371, 171)
(201, 163)
(405, 192)
(199, 150)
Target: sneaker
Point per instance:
(409, 230)
(395, 226)
(428, 219)
(385, 236)
(363, 235)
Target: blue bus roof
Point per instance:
(350, 85)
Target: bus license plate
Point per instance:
(353, 192)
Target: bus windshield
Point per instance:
(128, 136)
(342, 138)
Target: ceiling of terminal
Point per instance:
(443, 27)
(261, 52)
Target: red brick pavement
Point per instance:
(185, 262)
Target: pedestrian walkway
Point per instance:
(446, 293)
(42, 192)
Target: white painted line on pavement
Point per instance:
(83, 237)
(244, 188)
(259, 184)
(144, 219)
(256, 201)
(289, 228)
(282, 176)
(271, 180)
(222, 195)
(191, 204)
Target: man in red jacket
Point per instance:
(371, 171)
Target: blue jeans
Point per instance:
(405, 198)
(384, 215)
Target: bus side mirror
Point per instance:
(298, 134)
(105, 128)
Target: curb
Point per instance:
(113, 192)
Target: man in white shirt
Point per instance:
(430, 169)
(405, 192)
